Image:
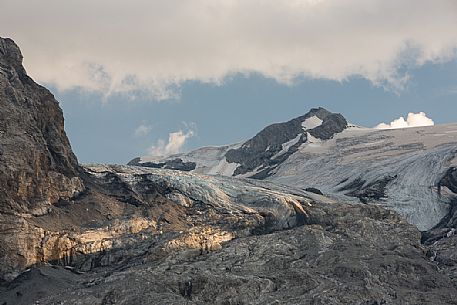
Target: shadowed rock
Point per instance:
(263, 151)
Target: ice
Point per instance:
(311, 122)
(418, 157)
(223, 168)
(287, 145)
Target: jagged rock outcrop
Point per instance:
(37, 165)
(275, 143)
(375, 190)
(176, 164)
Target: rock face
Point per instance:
(277, 142)
(176, 164)
(37, 166)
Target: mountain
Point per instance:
(402, 169)
(113, 234)
(37, 166)
(260, 156)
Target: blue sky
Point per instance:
(104, 130)
(156, 77)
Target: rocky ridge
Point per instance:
(257, 157)
(37, 165)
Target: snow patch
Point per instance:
(287, 145)
(311, 123)
(312, 140)
(223, 168)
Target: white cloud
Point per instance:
(412, 120)
(142, 130)
(176, 141)
(153, 45)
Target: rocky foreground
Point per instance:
(130, 235)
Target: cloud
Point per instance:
(176, 141)
(142, 130)
(154, 46)
(413, 120)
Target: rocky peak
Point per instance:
(37, 165)
(10, 56)
(330, 124)
(320, 112)
(276, 142)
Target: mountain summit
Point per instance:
(260, 156)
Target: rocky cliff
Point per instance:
(37, 165)
(138, 235)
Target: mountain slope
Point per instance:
(399, 169)
(221, 240)
(34, 150)
(37, 166)
(259, 156)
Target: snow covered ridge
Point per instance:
(400, 169)
(258, 157)
(311, 122)
(207, 160)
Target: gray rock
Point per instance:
(374, 190)
(175, 164)
(260, 151)
(37, 166)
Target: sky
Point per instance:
(157, 77)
